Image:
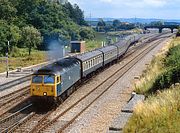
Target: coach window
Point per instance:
(83, 65)
(89, 64)
(86, 64)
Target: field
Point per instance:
(23, 60)
(160, 113)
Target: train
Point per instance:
(58, 80)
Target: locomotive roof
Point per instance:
(58, 66)
(88, 55)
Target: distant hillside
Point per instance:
(135, 20)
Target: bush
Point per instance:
(19, 52)
(87, 33)
(171, 71)
(166, 79)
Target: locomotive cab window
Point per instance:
(48, 79)
(37, 79)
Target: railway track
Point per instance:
(14, 82)
(9, 122)
(11, 100)
(59, 123)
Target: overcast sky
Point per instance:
(161, 9)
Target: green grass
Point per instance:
(160, 112)
(22, 59)
(97, 42)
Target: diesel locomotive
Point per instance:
(55, 81)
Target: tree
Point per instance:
(156, 23)
(116, 24)
(87, 33)
(31, 37)
(15, 36)
(101, 23)
(75, 13)
(3, 36)
(46, 16)
(7, 10)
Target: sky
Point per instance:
(160, 9)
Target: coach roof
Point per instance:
(88, 55)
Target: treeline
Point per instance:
(29, 23)
(116, 25)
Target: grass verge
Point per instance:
(160, 112)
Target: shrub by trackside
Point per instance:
(166, 79)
